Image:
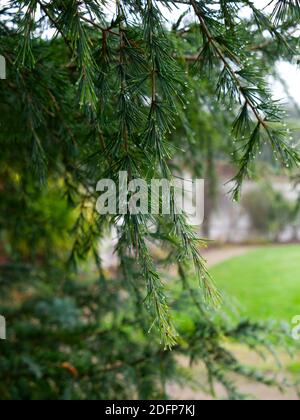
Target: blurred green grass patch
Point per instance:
(265, 282)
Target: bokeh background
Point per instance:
(76, 324)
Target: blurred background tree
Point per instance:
(269, 211)
(91, 92)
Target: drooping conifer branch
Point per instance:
(243, 83)
(131, 77)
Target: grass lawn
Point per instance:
(265, 282)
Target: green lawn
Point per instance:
(265, 282)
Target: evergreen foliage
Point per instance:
(90, 93)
